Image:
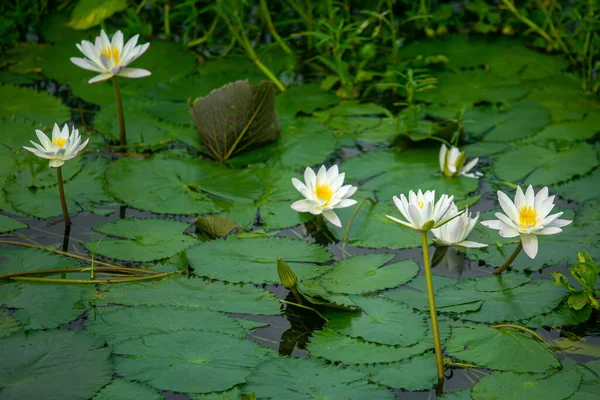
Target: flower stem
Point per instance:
(61, 192)
(122, 137)
(432, 312)
(521, 328)
(509, 260)
(345, 240)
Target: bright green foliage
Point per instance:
(194, 293)
(44, 305)
(188, 361)
(8, 224)
(17, 132)
(334, 346)
(502, 349)
(315, 293)
(581, 189)
(116, 325)
(141, 239)
(27, 103)
(509, 386)
(23, 259)
(89, 13)
(254, 260)
(381, 321)
(300, 378)
(417, 373)
(560, 316)
(121, 388)
(568, 131)
(415, 292)
(363, 274)
(305, 98)
(540, 166)
(585, 273)
(53, 365)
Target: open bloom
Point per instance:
(452, 162)
(111, 58)
(527, 217)
(324, 192)
(456, 231)
(60, 148)
(422, 212)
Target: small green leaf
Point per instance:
(90, 13)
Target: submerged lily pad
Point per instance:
(254, 260)
(53, 365)
(170, 361)
(141, 239)
(502, 349)
(300, 378)
(35, 106)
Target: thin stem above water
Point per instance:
(122, 136)
(509, 260)
(61, 192)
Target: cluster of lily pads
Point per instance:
(372, 338)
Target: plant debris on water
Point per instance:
(250, 216)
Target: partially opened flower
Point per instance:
(527, 217)
(452, 162)
(111, 58)
(456, 231)
(60, 148)
(422, 212)
(324, 193)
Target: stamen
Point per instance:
(60, 142)
(324, 193)
(420, 204)
(111, 52)
(527, 216)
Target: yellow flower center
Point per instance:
(324, 193)
(60, 142)
(111, 52)
(420, 204)
(527, 216)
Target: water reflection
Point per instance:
(302, 323)
(450, 259)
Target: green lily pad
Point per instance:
(334, 346)
(90, 13)
(560, 316)
(120, 388)
(582, 189)
(195, 294)
(141, 239)
(53, 365)
(8, 324)
(573, 131)
(304, 98)
(300, 378)
(39, 107)
(415, 292)
(116, 325)
(169, 361)
(381, 321)
(255, 260)
(416, 373)
(23, 259)
(364, 273)
(8, 224)
(508, 385)
(501, 349)
(541, 166)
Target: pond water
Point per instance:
(221, 324)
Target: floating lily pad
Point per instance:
(560, 316)
(508, 385)
(53, 365)
(502, 349)
(300, 378)
(116, 325)
(381, 321)
(169, 361)
(8, 224)
(120, 388)
(305, 98)
(90, 13)
(196, 294)
(362, 274)
(39, 107)
(8, 324)
(141, 239)
(417, 373)
(568, 131)
(540, 166)
(334, 346)
(582, 189)
(23, 259)
(255, 260)
(415, 292)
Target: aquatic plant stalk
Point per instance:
(122, 136)
(345, 240)
(61, 192)
(521, 328)
(510, 259)
(432, 312)
(264, 9)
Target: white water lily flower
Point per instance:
(324, 192)
(456, 231)
(452, 163)
(422, 211)
(111, 58)
(527, 217)
(60, 148)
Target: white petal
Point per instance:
(36, 152)
(406, 224)
(301, 205)
(322, 175)
(134, 73)
(310, 179)
(345, 203)
(44, 140)
(509, 232)
(56, 163)
(508, 206)
(101, 78)
(495, 224)
(301, 187)
(117, 40)
(530, 196)
(559, 223)
(129, 46)
(332, 217)
(550, 230)
(469, 166)
(415, 215)
(530, 245)
(551, 218)
(315, 208)
(85, 64)
(506, 220)
(350, 192)
(540, 197)
(519, 199)
(474, 245)
(332, 172)
(104, 39)
(443, 150)
(336, 182)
